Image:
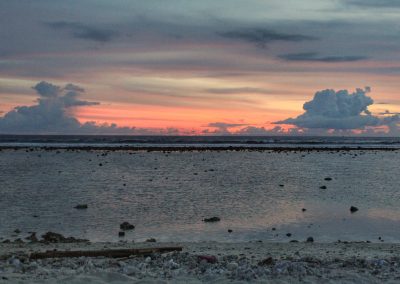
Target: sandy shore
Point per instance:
(235, 263)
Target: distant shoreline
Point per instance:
(188, 148)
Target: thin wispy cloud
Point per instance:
(374, 3)
(314, 57)
(262, 37)
(83, 31)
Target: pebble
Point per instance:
(232, 266)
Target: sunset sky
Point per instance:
(200, 67)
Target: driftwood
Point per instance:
(114, 253)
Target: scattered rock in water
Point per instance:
(121, 234)
(32, 238)
(212, 219)
(18, 241)
(353, 209)
(266, 262)
(207, 258)
(328, 178)
(126, 226)
(281, 185)
(230, 231)
(323, 187)
(304, 210)
(288, 235)
(151, 240)
(51, 237)
(81, 206)
(273, 229)
(310, 240)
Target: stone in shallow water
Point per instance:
(353, 209)
(212, 219)
(126, 226)
(81, 206)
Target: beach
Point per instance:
(257, 262)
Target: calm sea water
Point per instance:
(166, 195)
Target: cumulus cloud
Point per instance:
(339, 110)
(49, 115)
(313, 57)
(52, 114)
(222, 127)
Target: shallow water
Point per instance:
(166, 195)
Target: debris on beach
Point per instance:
(126, 226)
(212, 219)
(207, 258)
(112, 253)
(266, 262)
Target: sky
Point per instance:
(210, 67)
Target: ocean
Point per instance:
(259, 195)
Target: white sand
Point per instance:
(237, 262)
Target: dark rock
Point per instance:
(81, 206)
(32, 238)
(310, 240)
(323, 187)
(304, 210)
(126, 226)
(288, 235)
(17, 231)
(230, 231)
(294, 241)
(353, 209)
(266, 262)
(121, 234)
(18, 241)
(51, 237)
(212, 219)
(151, 240)
(281, 185)
(273, 229)
(328, 178)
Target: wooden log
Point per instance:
(113, 253)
